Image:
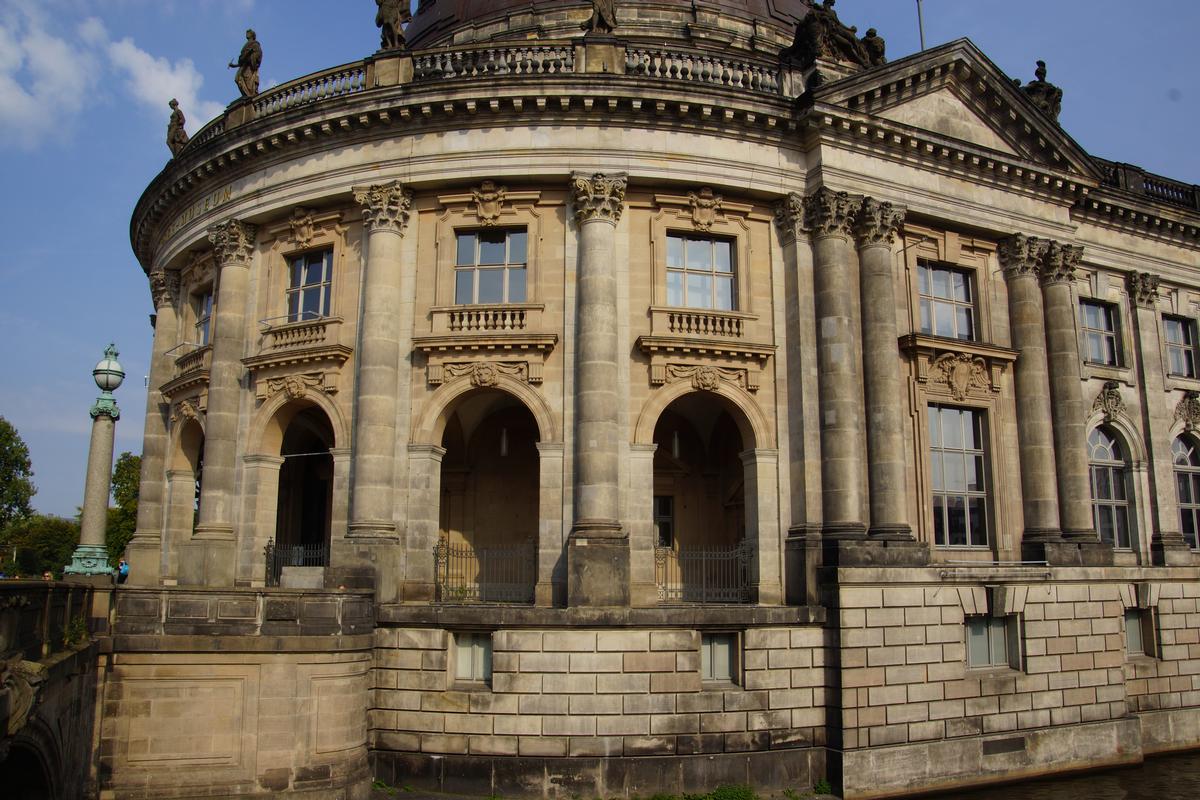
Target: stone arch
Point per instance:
(1125, 431)
(187, 441)
(1180, 428)
(432, 422)
(752, 425)
(272, 418)
(34, 766)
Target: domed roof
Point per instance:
(436, 21)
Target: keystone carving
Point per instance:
(789, 217)
(185, 410)
(295, 386)
(1021, 255)
(1109, 402)
(830, 213)
(233, 241)
(598, 196)
(386, 206)
(1188, 410)
(489, 202)
(960, 372)
(22, 682)
(705, 207)
(705, 378)
(164, 287)
(1143, 288)
(486, 373)
(1060, 262)
(303, 228)
(878, 223)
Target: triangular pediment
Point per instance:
(955, 93)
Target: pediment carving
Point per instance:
(703, 377)
(484, 373)
(957, 369)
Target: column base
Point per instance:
(371, 529)
(1169, 549)
(835, 531)
(207, 562)
(892, 533)
(1068, 553)
(144, 562)
(89, 559)
(874, 553)
(597, 564)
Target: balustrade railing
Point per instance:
(282, 335)
(1156, 187)
(335, 82)
(487, 319)
(705, 323)
(191, 358)
(703, 574)
(502, 61)
(467, 574)
(292, 555)
(700, 68)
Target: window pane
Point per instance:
(699, 290)
(939, 519)
(325, 306)
(725, 294)
(723, 256)
(1121, 523)
(1133, 632)
(978, 519)
(951, 429)
(937, 476)
(935, 427)
(1103, 484)
(516, 285)
(491, 286)
(312, 304)
(297, 276)
(675, 288)
(966, 324)
(955, 474)
(314, 273)
(956, 520)
(997, 641)
(464, 281)
(491, 247)
(941, 283)
(674, 251)
(922, 279)
(699, 254)
(1104, 523)
(463, 666)
(1173, 330)
(466, 249)
(293, 306)
(943, 319)
(977, 642)
(975, 474)
(926, 316)
(516, 247)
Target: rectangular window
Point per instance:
(473, 656)
(947, 301)
(310, 286)
(664, 520)
(203, 303)
(719, 657)
(1139, 632)
(1099, 322)
(958, 463)
(701, 272)
(1181, 346)
(490, 267)
(991, 641)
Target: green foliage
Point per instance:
(16, 471)
(76, 632)
(822, 787)
(37, 544)
(381, 785)
(732, 793)
(122, 520)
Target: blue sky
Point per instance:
(83, 91)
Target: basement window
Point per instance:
(473, 656)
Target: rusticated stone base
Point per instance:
(597, 570)
(615, 776)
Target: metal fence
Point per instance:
(467, 574)
(703, 574)
(293, 555)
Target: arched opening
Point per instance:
(488, 515)
(190, 459)
(1185, 456)
(1108, 465)
(700, 503)
(305, 501)
(23, 775)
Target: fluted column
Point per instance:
(143, 550)
(233, 245)
(1066, 390)
(385, 212)
(598, 553)
(886, 469)
(829, 217)
(1020, 257)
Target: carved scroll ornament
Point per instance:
(484, 374)
(705, 207)
(598, 196)
(489, 202)
(1109, 403)
(1143, 288)
(878, 222)
(295, 386)
(960, 372)
(830, 213)
(232, 241)
(186, 410)
(1188, 410)
(386, 206)
(705, 378)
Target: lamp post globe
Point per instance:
(108, 372)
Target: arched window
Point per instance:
(1187, 487)
(1110, 488)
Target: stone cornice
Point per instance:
(598, 196)
(1131, 214)
(386, 206)
(830, 213)
(233, 242)
(878, 223)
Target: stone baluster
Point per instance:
(1020, 257)
(1066, 390)
(886, 469)
(143, 551)
(209, 558)
(598, 549)
(829, 218)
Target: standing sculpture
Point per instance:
(604, 17)
(875, 46)
(821, 35)
(390, 19)
(1046, 96)
(247, 64)
(176, 136)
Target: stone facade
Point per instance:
(594, 417)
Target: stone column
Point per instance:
(829, 217)
(1167, 546)
(760, 470)
(260, 511)
(144, 548)
(1019, 257)
(598, 550)
(386, 210)
(886, 468)
(643, 590)
(551, 577)
(90, 558)
(181, 516)
(209, 558)
(424, 523)
(1066, 391)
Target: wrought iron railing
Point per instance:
(703, 574)
(467, 574)
(293, 555)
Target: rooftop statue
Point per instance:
(1044, 95)
(247, 64)
(390, 19)
(821, 35)
(604, 17)
(176, 136)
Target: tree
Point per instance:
(16, 488)
(39, 543)
(122, 519)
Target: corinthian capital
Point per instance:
(1143, 288)
(789, 217)
(386, 206)
(1021, 255)
(877, 223)
(598, 196)
(1060, 262)
(830, 213)
(164, 287)
(233, 241)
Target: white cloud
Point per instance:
(155, 80)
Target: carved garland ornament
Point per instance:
(705, 378)
(484, 374)
(960, 372)
(295, 386)
(489, 202)
(185, 410)
(1109, 402)
(705, 207)
(386, 206)
(598, 196)
(1188, 410)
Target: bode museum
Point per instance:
(599, 399)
